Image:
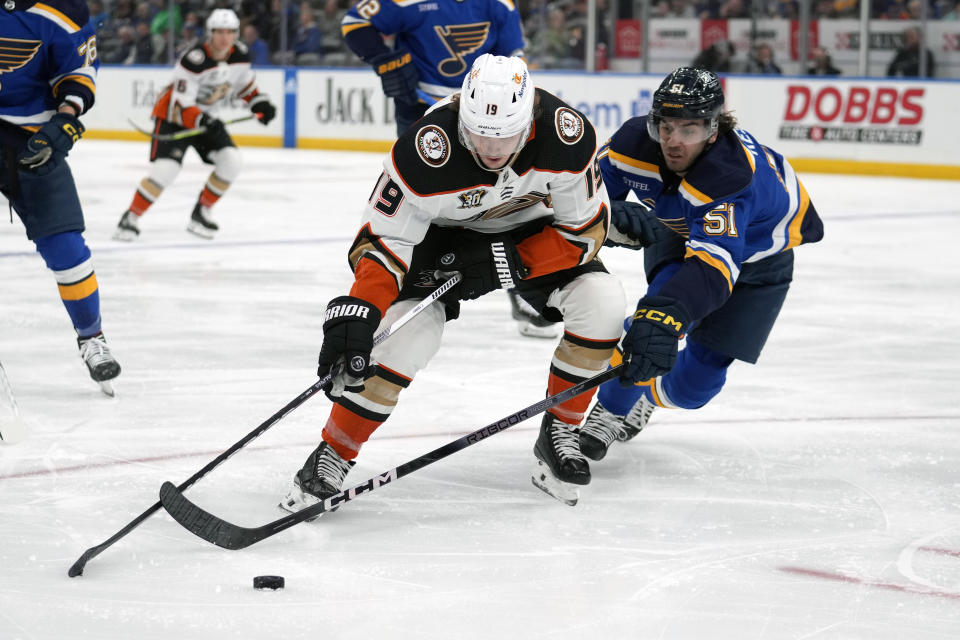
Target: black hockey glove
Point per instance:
(263, 109)
(348, 329)
(398, 75)
(635, 225)
(213, 126)
(485, 264)
(54, 140)
(650, 346)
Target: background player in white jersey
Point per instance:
(501, 170)
(206, 77)
(435, 42)
(726, 214)
(49, 64)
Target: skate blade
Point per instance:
(297, 500)
(107, 388)
(124, 235)
(12, 430)
(198, 229)
(531, 330)
(565, 492)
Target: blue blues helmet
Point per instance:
(688, 93)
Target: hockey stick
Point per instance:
(92, 552)
(186, 133)
(230, 536)
(12, 428)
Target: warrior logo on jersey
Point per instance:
(472, 199)
(569, 125)
(460, 40)
(433, 145)
(17, 53)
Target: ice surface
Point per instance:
(817, 497)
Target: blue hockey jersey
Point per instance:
(444, 37)
(740, 202)
(49, 56)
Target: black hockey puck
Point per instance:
(268, 582)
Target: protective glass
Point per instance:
(680, 130)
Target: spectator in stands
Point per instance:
(308, 43)
(906, 63)
(952, 13)
(161, 17)
(733, 9)
(99, 17)
(551, 47)
(682, 9)
(761, 60)
(143, 51)
(259, 51)
(124, 50)
(334, 51)
(821, 64)
(718, 57)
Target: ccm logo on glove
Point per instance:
(666, 320)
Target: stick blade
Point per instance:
(202, 523)
(76, 569)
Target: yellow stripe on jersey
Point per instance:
(713, 262)
(347, 28)
(646, 168)
(79, 79)
(693, 195)
(57, 16)
(746, 152)
(794, 238)
(79, 290)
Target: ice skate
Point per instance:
(321, 477)
(603, 427)
(128, 229)
(201, 222)
(529, 322)
(101, 364)
(560, 465)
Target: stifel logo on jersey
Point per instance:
(873, 114)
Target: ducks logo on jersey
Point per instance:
(433, 145)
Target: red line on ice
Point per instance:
(879, 584)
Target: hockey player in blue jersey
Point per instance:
(435, 43)
(720, 217)
(49, 70)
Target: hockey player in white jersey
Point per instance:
(500, 184)
(206, 77)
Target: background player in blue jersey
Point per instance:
(49, 69)
(435, 43)
(722, 216)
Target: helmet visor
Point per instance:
(490, 147)
(680, 130)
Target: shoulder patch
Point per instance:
(196, 56)
(433, 145)
(569, 125)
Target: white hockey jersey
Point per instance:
(204, 85)
(429, 179)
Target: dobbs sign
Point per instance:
(871, 114)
